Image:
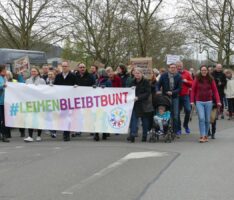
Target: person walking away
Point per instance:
(66, 78)
(36, 80)
(203, 91)
(170, 82)
(220, 80)
(229, 92)
(184, 97)
(143, 107)
(4, 130)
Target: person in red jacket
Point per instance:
(115, 79)
(184, 97)
(204, 91)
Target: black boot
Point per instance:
(132, 139)
(96, 137)
(213, 136)
(104, 136)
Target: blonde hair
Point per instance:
(8, 73)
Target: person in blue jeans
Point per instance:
(170, 85)
(184, 97)
(143, 107)
(203, 91)
(3, 129)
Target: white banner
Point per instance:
(81, 109)
(172, 59)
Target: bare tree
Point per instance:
(143, 13)
(211, 23)
(25, 23)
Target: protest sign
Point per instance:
(81, 109)
(145, 64)
(172, 59)
(22, 66)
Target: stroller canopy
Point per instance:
(161, 100)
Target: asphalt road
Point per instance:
(116, 170)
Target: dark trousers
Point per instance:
(6, 132)
(30, 132)
(222, 102)
(134, 124)
(184, 102)
(66, 134)
(230, 106)
(212, 129)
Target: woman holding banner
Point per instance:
(143, 107)
(36, 80)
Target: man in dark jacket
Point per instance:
(221, 82)
(170, 82)
(69, 79)
(84, 78)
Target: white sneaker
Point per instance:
(28, 139)
(38, 139)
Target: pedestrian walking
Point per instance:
(66, 78)
(203, 91)
(184, 97)
(3, 129)
(143, 107)
(170, 82)
(221, 81)
(229, 92)
(36, 80)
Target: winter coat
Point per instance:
(36, 81)
(229, 89)
(86, 80)
(143, 106)
(71, 79)
(164, 83)
(220, 77)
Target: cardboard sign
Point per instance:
(145, 64)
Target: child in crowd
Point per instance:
(161, 120)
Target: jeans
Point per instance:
(204, 111)
(184, 102)
(134, 124)
(175, 114)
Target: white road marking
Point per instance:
(19, 147)
(57, 148)
(109, 168)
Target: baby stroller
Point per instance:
(167, 134)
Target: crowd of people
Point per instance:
(210, 90)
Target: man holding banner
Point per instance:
(66, 78)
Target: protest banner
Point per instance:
(81, 109)
(22, 66)
(145, 64)
(172, 59)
